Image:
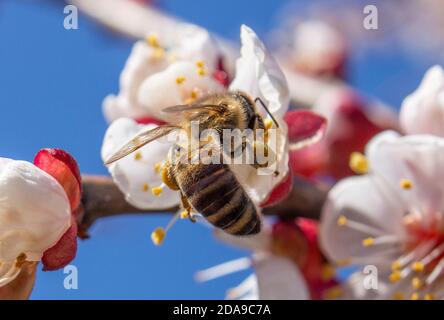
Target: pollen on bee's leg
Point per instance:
(268, 123)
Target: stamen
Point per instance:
(343, 262)
(158, 167)
(245, 287)
(416, 283)
(342, 221)
(184, 214)
(396, 265)
(194, 94)
(145, 187)
(200, 64)
(328, 272)
(180, 79)
(436, 272)
(368, 242)
(395, 276)
(137, 156)
(429, 296)
(153, 41)
(158, 53)
(414, 296)
(406, 184)
(417, 266)
(157, 191)
(360, 227)
(398, 296)
(201, 71)
(268, 124)
(223, 269)
(333, 293)
(358, 163)
(158, 235)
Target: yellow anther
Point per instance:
(395, 276)
(429, 296)
(157, 191)
(416, 283)
(184, 214)
(180, 79)
(343, 262)
(145, 187)
(328, 272)
(137, 156)
(368, 242)
(342, 221)
(268, 123)
(158, 53)
(194, 94)
(406, 184)
(417, 266)
(414, 296)
(201, 71)
(396, 265)
(153, 41)
(158, 167)
(158, 235)
(398, 296)
(200, 64)
(358, 163)
(333, 293)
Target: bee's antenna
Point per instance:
(266, 109)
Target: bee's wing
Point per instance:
(141, 140)
(194, 108)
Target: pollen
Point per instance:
(180, 79)
(157, 191)
(145, 187)
(201, 71)
(414, 296)
(395, 276)
(342, 221)
(268, 124)
(368, 242)
(406, 184)
(159, 53)
(328, 272)
(358, 163)
(398, 296)
(184, 214)
(396, 265)
(200, 64)
(429, 296)
(137, 156)
(153, 41)
(158, 167)
(417, 266)
(416, 283)
(158, 235)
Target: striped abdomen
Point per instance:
(213, 191)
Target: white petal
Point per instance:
(419, 158)
(423, 110)
(161, 90)
(258, 74)
(136, 177)
(141, 63)
(34, 211)
(193, 44)
(280, 279)
(365, 201)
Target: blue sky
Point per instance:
(52, 84)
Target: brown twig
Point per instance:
(101, 198)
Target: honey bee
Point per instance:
(209, 189)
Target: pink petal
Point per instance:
(280, 192)
(221, 75)
(304, 127)
(63, 252)
(63, 167)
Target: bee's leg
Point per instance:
(187, 208)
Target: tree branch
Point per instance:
(101, 198)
